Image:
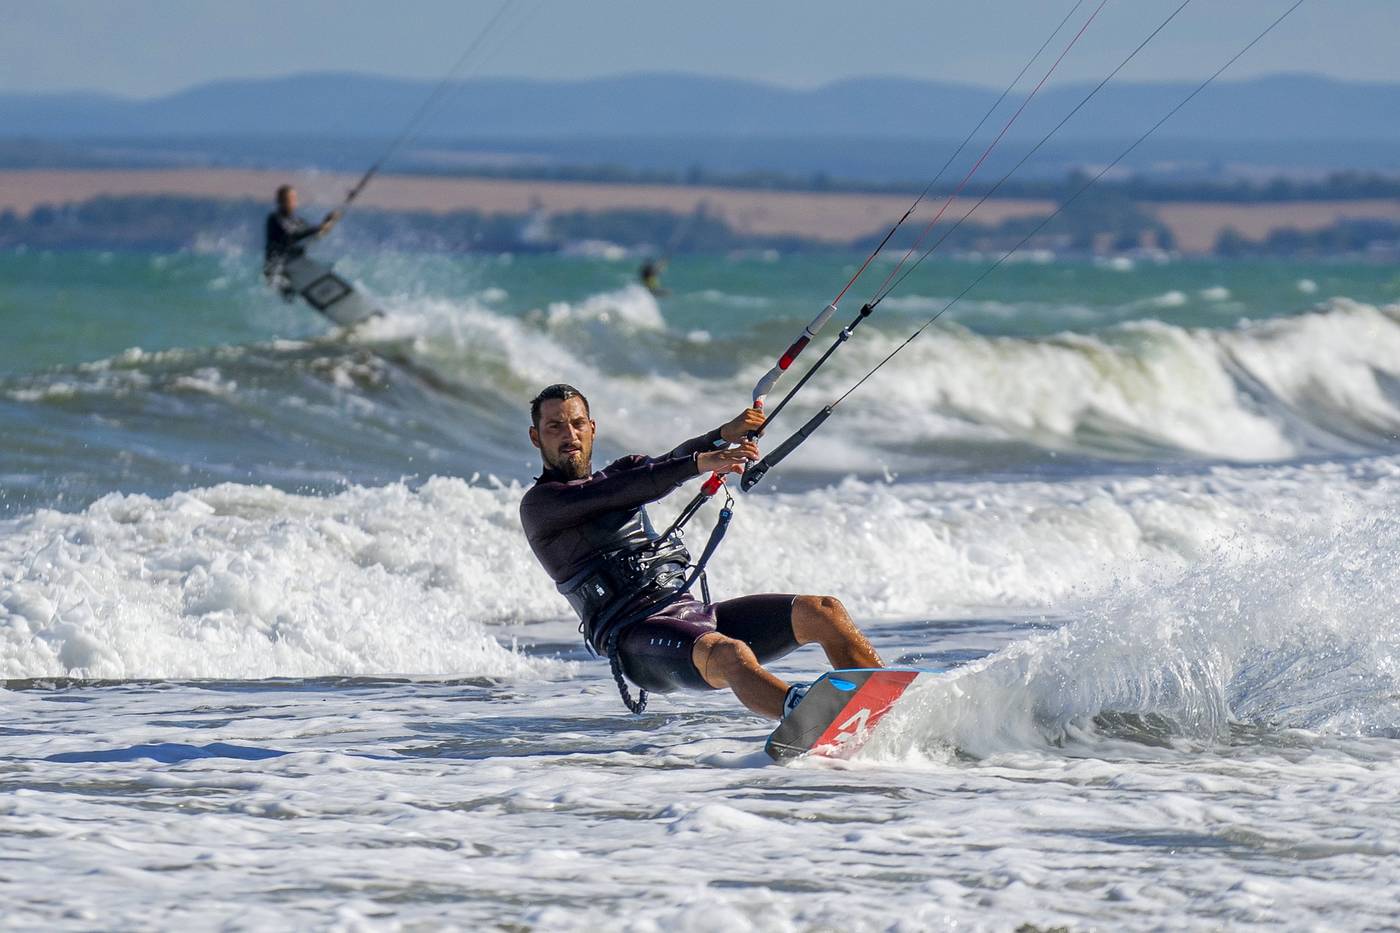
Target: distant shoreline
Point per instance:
(828, 217)
(834, 217)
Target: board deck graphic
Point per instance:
(840, 712)
(327, 292)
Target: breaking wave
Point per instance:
(447, 382)
(238, 581)
(1293, 631)
(247, 582)
(1319, 383)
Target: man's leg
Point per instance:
(823, 620)
(728, 662)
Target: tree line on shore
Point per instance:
(1334, 186)
(1105, 220)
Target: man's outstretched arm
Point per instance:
(555, 505)
(305, 233)
(730, 433)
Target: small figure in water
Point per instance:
(287, 234)
(591, 532)
(650, 275)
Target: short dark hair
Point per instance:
(560, 392)
(283, 191)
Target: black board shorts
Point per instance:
(656, 652)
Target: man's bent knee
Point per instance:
(816, 617)
(822, 605)
(717, 656)
(822, 619)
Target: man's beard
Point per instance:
(574, 465)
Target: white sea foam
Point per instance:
(206, 379)
(1279, 632)
(1171, 299)
(972, 309)
(1206, 739)
(715, 296)
(1209, 717)
(1266, 391)
(604, 250)
(238, 581)
(1258, 392)
(633, 307)
(1188, 739)
(246, 582)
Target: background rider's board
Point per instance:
(327, 292)
(840, 712)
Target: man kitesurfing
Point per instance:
(287, 233)
(629, 585)
(650, 276)
(285, 263)
(288, 269)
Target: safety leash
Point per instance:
(697, 573)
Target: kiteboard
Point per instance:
(841, 711)
(317, 283)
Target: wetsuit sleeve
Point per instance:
(301, 230)
(285, 232)
(552, 506)
(698, 445)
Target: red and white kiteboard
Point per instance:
(841, 711)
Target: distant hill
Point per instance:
(1296, 108)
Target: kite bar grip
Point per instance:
(755, 473)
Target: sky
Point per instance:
(144, 48)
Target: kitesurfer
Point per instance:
(650, 274)
(287, 233)
(592, 534)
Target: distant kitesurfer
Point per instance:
(287, 234)
(591, 532)
(650, 274)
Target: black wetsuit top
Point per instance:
(285, 235)
(570, 522)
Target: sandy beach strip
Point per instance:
(816, 215)
(1196, 226)
(828, 216)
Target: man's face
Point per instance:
(565, 437)
(287, 203)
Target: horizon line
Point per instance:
(654, 75)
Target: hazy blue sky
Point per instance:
(147, 47)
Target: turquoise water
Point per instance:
(142, 373)
(269, 629)
(67, 308)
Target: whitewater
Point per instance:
(275, 654)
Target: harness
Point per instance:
(638, 578)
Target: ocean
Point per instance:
(275, 654)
